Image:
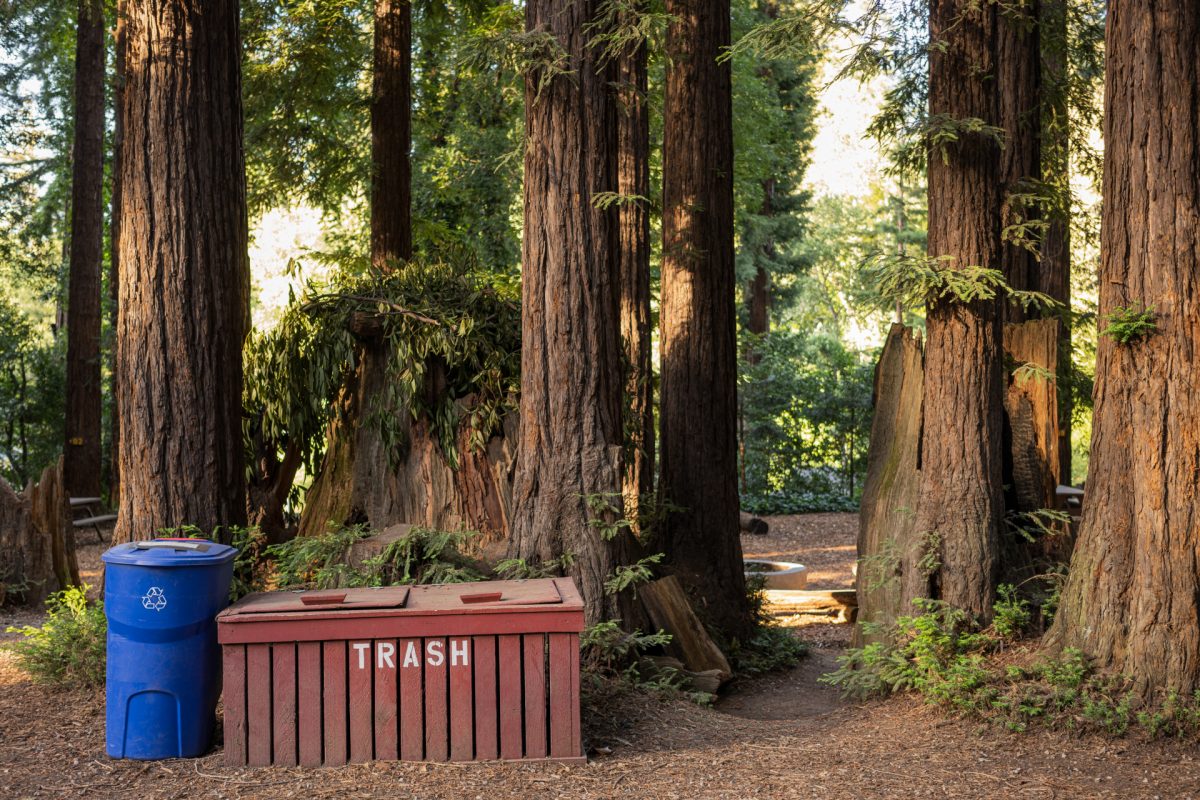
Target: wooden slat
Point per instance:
(510, 696)
(576, 730)
(387, 672)
(283, 703)
(258, 705)
(361, 710)
(486, 720)
(563, 698)
(534, 658)
(310, 725)
(412, 707)
(334, 674)
(234, 674)
(462, 701)
(437, 733)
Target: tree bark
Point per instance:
(37, 540)
(361, 481)
(569, 451)
(1132, 600)
(886, 519)
(391, 101)
(114, 252)
(82, 451)
(184, 281)
(1054, 273)
(1018, 79)
(960, 505)
(633, 180)
(698, 347)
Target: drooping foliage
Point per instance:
(434, 311)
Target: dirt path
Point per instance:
(779, 736)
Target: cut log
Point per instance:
(37, 539)
(755, 525)
(669, 610)
(889, 501)
(840, 604)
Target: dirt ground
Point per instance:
(778, 736)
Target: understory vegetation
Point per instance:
(991, 674)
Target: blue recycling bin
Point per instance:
(163, 678)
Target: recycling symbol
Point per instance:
(154, 599)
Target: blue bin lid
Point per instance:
(170, 553)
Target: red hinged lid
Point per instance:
(319, 600)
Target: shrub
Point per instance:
(68, 649)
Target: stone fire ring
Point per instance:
(778, 574)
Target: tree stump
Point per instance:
(887, 515)
(37, 539)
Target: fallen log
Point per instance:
(841, 604)
(669, 610)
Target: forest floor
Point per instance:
(778, 736)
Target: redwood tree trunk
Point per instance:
(633, 180)
(1054, 274)
(82, 452)
(1133, 597)
(114, 253)
(960, 506)
(184, 282)
(1019, 77)
(391, 98)
(571, 377)
(698, 350)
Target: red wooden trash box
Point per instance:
(453, 672)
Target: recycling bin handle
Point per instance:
(157, 544)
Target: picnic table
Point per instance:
(88, 506)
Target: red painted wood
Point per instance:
(534, 658)
(412, 704)
(310, 725)
(258, 704)
(334, 675)
(361, 710)
(233, 673)
(487, 741)
(576, 730)
(509, 657)
(387, 699)
(563, 697)
(395, 624)
(283, 704)
(437, 712)
(462, 700)
(316, 602)
(513, 694)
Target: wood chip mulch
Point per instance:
(777, 736)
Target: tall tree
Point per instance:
(1054, 273)
(391, 101)
(1132, 600)
(698, 349)
(633, 183)
(184, 282)
(569, 455)
(81, 464)
(1019, 88)
(114, 250)
(959, 505)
